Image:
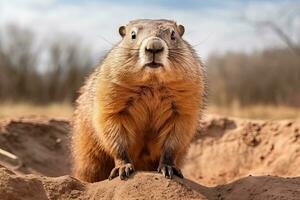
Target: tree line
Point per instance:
(53, 71)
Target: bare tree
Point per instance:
(24, 77)
(281, 26)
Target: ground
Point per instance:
(229, 158)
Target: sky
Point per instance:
(211, 26)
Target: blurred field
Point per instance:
(234, 110)
(270, 112)
(25, 109)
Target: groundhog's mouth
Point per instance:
(153, 65)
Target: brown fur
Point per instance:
(141, 113)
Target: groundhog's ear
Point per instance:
(181, 29)
(122, 31)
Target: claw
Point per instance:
(128, 171)
(169, 171)
(123, 171)
(114, 173)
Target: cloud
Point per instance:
(209, 26)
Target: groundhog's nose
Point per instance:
(154, 45)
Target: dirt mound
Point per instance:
(223, 151)
(143, 186)
(38, 145)
(227, 149)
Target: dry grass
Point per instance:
(23, 109)
(270, 112)
(65, 110)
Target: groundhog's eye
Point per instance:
(173, 35)
(133, 35)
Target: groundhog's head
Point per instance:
(154, 48)
(153, 39)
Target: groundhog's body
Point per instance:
(136, 118)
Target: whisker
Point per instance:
(106, 40)
(127, 48)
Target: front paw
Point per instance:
(169, 170)
(123, 171)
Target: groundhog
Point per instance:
(140, 108)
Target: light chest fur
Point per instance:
(145, 114)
